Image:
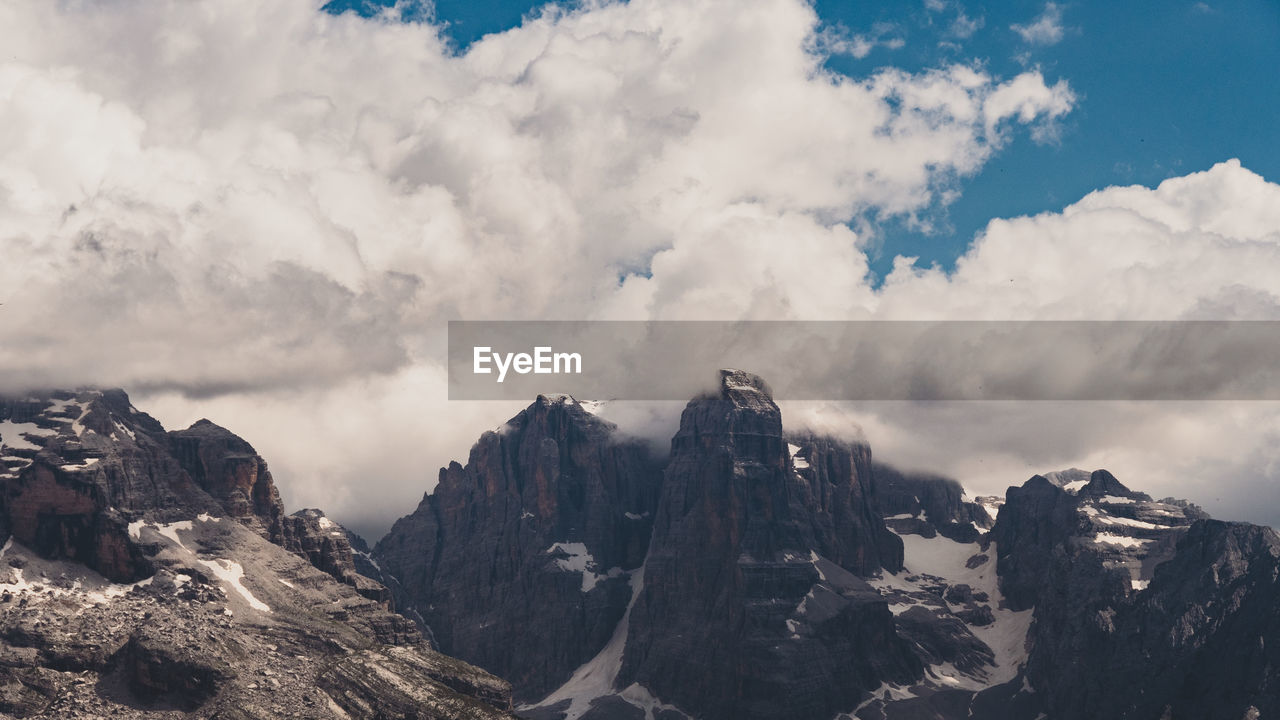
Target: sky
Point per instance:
(265, 213)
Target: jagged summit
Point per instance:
(535, 542)
(740, 382)
(750, 574)
(1104, 484)
(1143, 608)
(145, 573)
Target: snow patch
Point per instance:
(639, 695)
(1121, 540)
(1114, 520)
(124, 429)
(1074, 486)
(77, 425)
(86, 586)
(592, 406)
(11, 435)
(232, 572)
(947, 559)
(171, 531)
(797, 462)
(580, 561)
(595, 678)
(88, 463)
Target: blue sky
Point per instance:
(1164, 89)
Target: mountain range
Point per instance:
(568, 571)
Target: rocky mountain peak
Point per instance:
(147, 573)
(1103, 484)
(741, 415)
(1142, 608)
(535, 541)
(750, 524)
(743, 387)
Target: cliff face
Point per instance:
(522, 561)
(144, 573)
(1142, 608)
(79, 467)
(751, 596)
(563, 557)
(927, 505)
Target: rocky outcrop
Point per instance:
(751, 597)
(137, 579)
(228, 468)
(531, 545)
(328, 546)
(78, 467)
(231, 471)
(1142, 608)
(925, 504)
(839, 502)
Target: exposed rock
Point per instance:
(166, 672)
(191, 608)
(232, 472)
(1142, 608)
(531, 545)
(924, 504)
(327, 545)
(745, 608)
(229, 469)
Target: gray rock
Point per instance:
(741, 538)
(521, 561)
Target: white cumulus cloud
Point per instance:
(1046, 29)
(264, 214)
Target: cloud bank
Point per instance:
(264, 214)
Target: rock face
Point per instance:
(751, 597)
(231, 471)
(1142, 608)
(927, 505)
(227, 468)
(140, 577)
(754, 574)
(330, 547)
(522, 561)
(78, 468)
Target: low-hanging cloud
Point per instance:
(264, 214)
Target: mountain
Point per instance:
(146, 573)
(756, 573)
(927, 505)
(524, 560)
(1142, 608)
(751, 573)
(752, 594)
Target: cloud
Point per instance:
(1046, 29)
(214, 197)
(962, 26)
(839, 40)
(264, 214)
(1202, 246)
